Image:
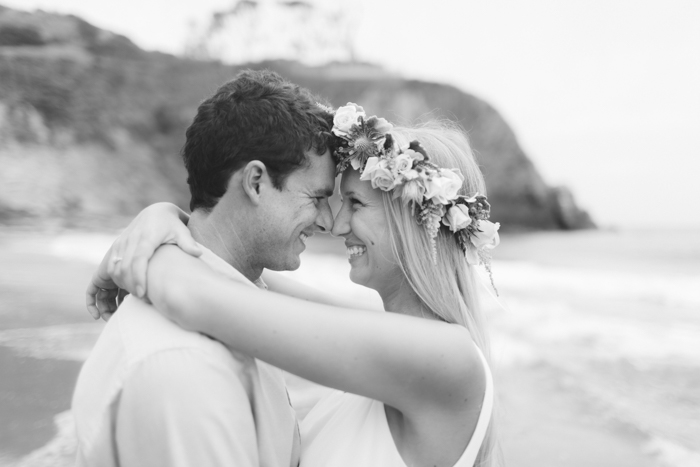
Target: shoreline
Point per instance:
(546, 341)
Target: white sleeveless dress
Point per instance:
(347, 430)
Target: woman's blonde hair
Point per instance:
(448, 287)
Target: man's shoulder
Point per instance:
(138, 337)
(139, 332)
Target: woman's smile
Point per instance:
(363, 223)
(355, 251)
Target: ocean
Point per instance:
(613, 316)
(617, 315)
(596, 339)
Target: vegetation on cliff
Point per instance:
(91, 125)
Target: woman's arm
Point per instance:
(284, 285)
(124, 265)
(400, 360)
(156, 225)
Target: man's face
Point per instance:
(297, 211)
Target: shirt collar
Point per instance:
(222, 267)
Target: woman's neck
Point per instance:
(404, 300)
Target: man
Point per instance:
(260, 174)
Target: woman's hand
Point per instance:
(123, 268)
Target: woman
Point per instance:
(418, 387)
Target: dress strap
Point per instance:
(469, 456)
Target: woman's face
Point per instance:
(363, 223)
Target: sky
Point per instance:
(603, 95)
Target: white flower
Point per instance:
(410, 175)
(472, 257)
(415, 155)
(412, 191)
(378, 173)
(402, 164)
(346, 117)
(486, 235)
(444, 186)
(381, 124)
(473, 198)
(425, 174)
(371, 165)
(382, 177)
(457, 217)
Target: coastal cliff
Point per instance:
(91, 125)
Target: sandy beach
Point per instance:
(596, 347)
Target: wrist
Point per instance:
(175, 210)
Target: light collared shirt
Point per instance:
(152, 394)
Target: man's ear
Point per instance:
(255, 179)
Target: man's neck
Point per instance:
(225, 241)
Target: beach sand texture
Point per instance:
(596, 343)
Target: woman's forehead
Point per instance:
(350, 182)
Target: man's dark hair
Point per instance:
(256, 116)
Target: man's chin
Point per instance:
(291, 264)
(294, 265)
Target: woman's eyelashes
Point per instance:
(355, 203)
(352, 201)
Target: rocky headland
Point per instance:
(91, 125)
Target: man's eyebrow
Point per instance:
(323, 192)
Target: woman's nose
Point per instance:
(341, 224)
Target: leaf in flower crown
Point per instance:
(429, 216)
(426, 166)
(479, 208)
(485, 257)
(343, 159)
(341, 166)
(415, 146)
(380, 125)
(463, 239)
(325, 108)
(388, 142)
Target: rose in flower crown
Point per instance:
(366, 145)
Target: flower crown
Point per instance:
(366, 145)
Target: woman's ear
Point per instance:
(255, 179)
